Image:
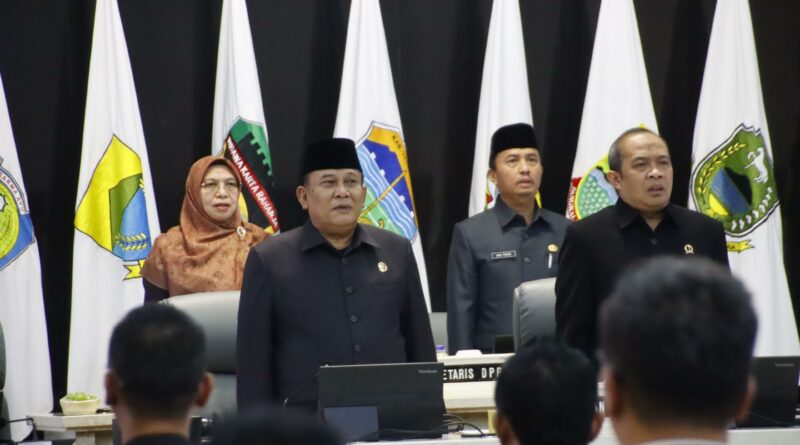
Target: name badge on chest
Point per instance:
(504, 255)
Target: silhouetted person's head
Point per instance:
(546, 394)
(156, 371)
(677, 337)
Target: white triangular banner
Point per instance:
(116, 220)
(617, 98)
(368, 114)
(733, 179)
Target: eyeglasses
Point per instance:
(230, 187)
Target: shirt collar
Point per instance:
(505, 215)
(627, 214)
(311, 238)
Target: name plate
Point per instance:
(472, 373)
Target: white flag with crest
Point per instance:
(239, 130)
(115, 213)
(368, 114)
(28, 388)
(504, 95)
(617, 98)
(733, 179)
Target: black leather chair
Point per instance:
(534, 313)
(216, 313)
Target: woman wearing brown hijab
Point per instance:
(207, 251)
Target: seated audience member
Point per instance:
(207, 251)
(546, 394)
(263, 425)
(157, 373)
(678, 336)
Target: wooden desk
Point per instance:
(472, 401)
(93, 429)
(96, 430)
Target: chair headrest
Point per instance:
(546, 285)
(534, 310)
(217, 313)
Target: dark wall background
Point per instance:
(436, 49)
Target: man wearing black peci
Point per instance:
(496, 250)
(331, 292)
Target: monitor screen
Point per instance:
(776, 393)
(383, 401)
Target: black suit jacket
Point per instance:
(598, 248)
(304, 304)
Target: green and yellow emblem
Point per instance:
(389, 203)
(113, 211)
(591, 192)
(735, 184)
(247, 147)
(16, 228)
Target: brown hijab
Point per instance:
(201, 255)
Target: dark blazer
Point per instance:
(304, 305)
(490, 255)
(598, 248)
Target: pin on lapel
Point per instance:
(551, 249)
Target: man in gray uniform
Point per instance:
(493, 252)
(331, 292)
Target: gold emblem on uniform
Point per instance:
(688, 249)
(552, 248)
(382, 266)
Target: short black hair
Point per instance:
(159, 356)
(267, 425)
(678, 334)
(548, 392)
(614, 156)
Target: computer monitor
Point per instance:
(383, 401)
(776, 393)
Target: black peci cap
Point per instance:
(334, 153)
(518, 135)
